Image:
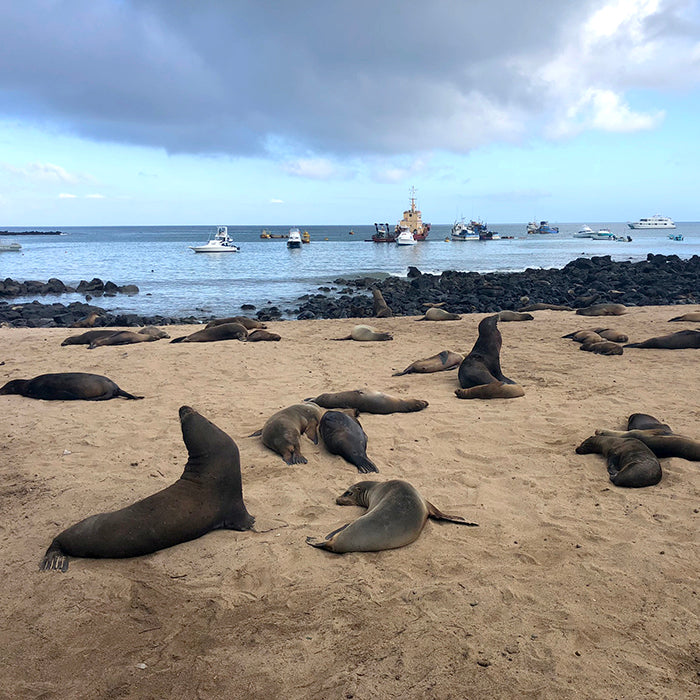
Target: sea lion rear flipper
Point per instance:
(127, 395)
(347, 337)
(325, 542)
(54, 559)
(257, 433)
(365, 465)
(437, 514)
(178, 340)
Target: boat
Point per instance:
(406, 237)
(10, 247)
(305, 237)
(462, 231)
(220, 243)
(675, 236)
(266, 234)
(605, 234)
(383, 235)
(584, 232)
(413, 221)
(294, 238)
(489, 236)
(542, 227)
(656, 221)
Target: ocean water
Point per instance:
(174, 281)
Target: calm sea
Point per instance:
(174, 281)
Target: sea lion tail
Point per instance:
(55, 559)
(347, 337)
(436, 514)
(632, 345)
(127, 395)
(178, 340)
(400, 374)
(365, 465)
(319, 544)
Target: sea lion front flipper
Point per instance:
(325, 543)
(311, 431)
(54, 560)
(437, 514)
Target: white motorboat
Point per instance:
(220, 243)
(584, 232)
(405, 237)
(656, 221)
(294, 238)
(605, 234)
(10, 247)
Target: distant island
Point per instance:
(32, 233)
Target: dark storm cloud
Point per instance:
(237, 77)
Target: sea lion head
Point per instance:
(15, 386)
(356, 495)
(211, 452)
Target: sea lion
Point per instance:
(601, 347)
(247, 323)
(507, 315)
(602, 310)
(259, 334)
(343, 435)
(680, 340)
(585, 336)
(225, 331)
(630, 462)
(431, 304)
(367, 401)
(283, 430)
(611, 334)
(643, 421)
(482, 365)
(145, 335)
(86, 322)
(396, 514)
(208, 496)
(660, 442)
(379, 306)
(691, 317)
(67, 386)
(435, 313)
(545, 307)
(492, 390)
(366, 333)
(87, 337)
(435, 363)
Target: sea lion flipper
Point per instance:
(54, 560)
(365, 465)
(295, 458)
(257, 433)
(347, 337)
(436, 514)
(127, 395)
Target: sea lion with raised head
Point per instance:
(259, 334)
(67, 386)
(483, 365)
(441, 362)
(248, 323)
(145, 335)
(630, 462)
(366, 333)
(367, 401)
(86, 322)
(680, 340)
(508, 315)
(435, 313)
(208, 496)
(690, 317)
(601, 347)
(283, 430)
(380, 309)
(88, 337)
(396, 514)
(225, 331)
(602, 310)
(343, 435)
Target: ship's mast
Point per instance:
(413, 198)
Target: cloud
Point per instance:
(95, 196)
(65, 195)
(312, 168)
(276, 201)
(43, 172)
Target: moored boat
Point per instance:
(656, 221)
(383, 235)
(413, 220)
(462, 231)
(305, 237)
(584, 232)
(220, 243)
(675, 236)
(543, 227)
(605, 234)
(406, 237)
(294, 238)
(10, 247)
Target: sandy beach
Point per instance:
(570, 587)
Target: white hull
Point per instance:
(10, 247)
(221, 243)
(653, 222)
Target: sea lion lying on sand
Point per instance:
(680, 340)
(585, 336)
(435, 313)
(602, 310)
(601, 347)
(396, 514)
(630, 462)
(67, 386)
(145, 335)
(545, 307)
(225, 331)
(247, 323)
(343, 435)
(367, 401)
(259, 334)
(660, 442)
(611, 334)
(366, 333)
(507, 315)
(691, 317)
(436, 363)
(88, 337)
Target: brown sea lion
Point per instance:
(87, 337)
(343, 435)
(630, 462)
(430, 304)
(259, 334)
(396, 514)
(660, 442)
(283, 430)
(690, 317)
(380, 308)
(366, 333)
(226, 331)
(67, 386)
(86, 322)
(435, 313)
(435, 363)
(507, 315)
(545, 307)
(145, 335)
(483, 365)
(680, 340)
(601, 347)
(643, 421)
(585, 336)
(208, 496)
(602, 310)
(247, 323)
(493, 390)
(367, 401)
(611, 334)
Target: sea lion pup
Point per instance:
(691, 316)
(584, 336)
(507, 315)
(601, 347)
(226, 331)
(660, 442)
(630, 462)
(145, 335)
(435, 363)
(367, 401)
(259, 334)
(86, 322)
(379, 306)
(87, 337)
(283, 430)
(602, 310)
(680, 340)
(493, 390)
(343, 435)
(611, 334)
(247, 323)
(643, 421)
(366, 333)
(396, 514)
(545, 307)
(67, 386)
(208, 496)
(435, 313)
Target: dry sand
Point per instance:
(569, 588)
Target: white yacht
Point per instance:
(656, 221)
(405, 237)
(220, 243)
(294, 238)
(584, 232)
(10, 247)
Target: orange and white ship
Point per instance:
(412, 220)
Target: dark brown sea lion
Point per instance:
(643, 421)
(396, 514)
(208, 496)
(601, 347)
(660, 442)
(366, 333)
(145, 335)
(493, 390)
(435, 313)
(602, 310)
(343, 435)
(380, 308)
(691, 317)
(87, 322)
(435, 363)
(611, 334)
(226, 331)
(247, 323)
(87, 337)
(680, 340)
(283, 430)
(630, 462)
(259, 334)
(67, 386)
(507, 315)
(367, 401)
(483, 365)
(545, 307)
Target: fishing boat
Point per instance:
(462, 231)
(584, 232)
(542, 227)
(10, 247)
(221, 242)
(489, 236)
(383, 235)
(406, 237)
(294, 238)
(413, 221)
(675, 236)
(656, 221)
(305, 237)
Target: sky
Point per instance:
(311, 112)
